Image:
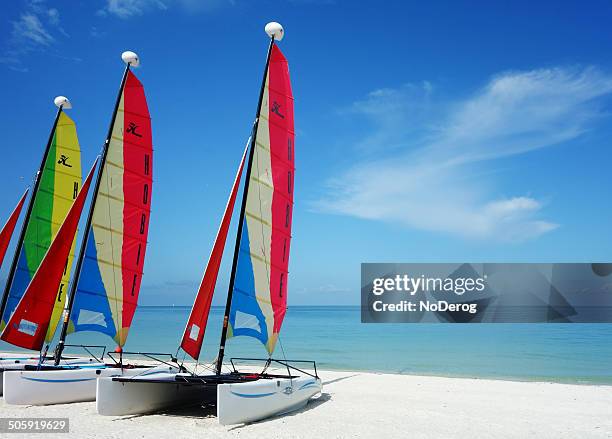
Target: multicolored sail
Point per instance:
(9, 227)
(59, 185)
(259, 299)
(194, 331)
(30, 321)
(109, 282)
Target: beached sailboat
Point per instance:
(104, 291)
(55, 187)
(257, 296)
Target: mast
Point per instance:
(276, 32)
(129, 58)
(61, 102)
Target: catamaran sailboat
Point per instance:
(104, 291)
(55, 187)
(257, 297)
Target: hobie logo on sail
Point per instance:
(131, 129)
(276, 109)
(63, 160)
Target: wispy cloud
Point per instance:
(53, 15)
(129, 8)
(29, 30)
(436, 170)
(33, 30)
(125, 9)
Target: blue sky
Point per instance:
(429, 131)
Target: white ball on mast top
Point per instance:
(276, 29)
(63, 102)
(130, 58)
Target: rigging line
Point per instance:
(285, 358)
(183, 360)
(210, 367)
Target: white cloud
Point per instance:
(30, 29)
(53, 15)
(434, 175)
(36, 29)
(197, 6)
(129, 8)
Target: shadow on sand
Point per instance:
(326, 383)
(189, 411)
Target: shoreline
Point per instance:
(362, 404)
(327, 368)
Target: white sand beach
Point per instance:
(357, 404)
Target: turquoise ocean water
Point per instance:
(336, 339)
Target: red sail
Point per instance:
(9, 227)
(194, 332)
(29, 323)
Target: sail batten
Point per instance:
(111, 273)
(259, 294)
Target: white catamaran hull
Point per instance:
(139, 395)
(257, 400)
(21, 363)
(45, 387)
(18, 355)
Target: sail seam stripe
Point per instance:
(55, 196)
(93, 293)
(43, 220)
(108, 229)
(114, 265)
(134, 144)
(58, 171)
(264, 261)
(121, 200)
(133, 113)
(287, 163)
(69, 148)
(276, 124)
(280, 310)
(138, 174)
(261, 220)
(275, 191)
(258, 298)
(282, 93)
